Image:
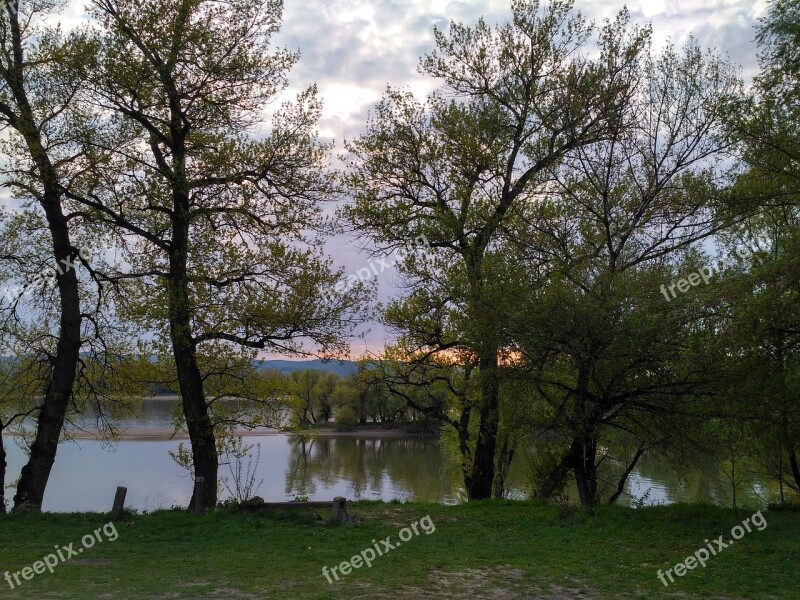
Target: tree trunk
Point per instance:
(586, 471)
(621, 483)
(2, 475)
(557, 475)
(504, 460)
(480, 479)
(795, 468)
(190, 380)
(184, 346)
(34, 476)
(362, 409)
(198, 421)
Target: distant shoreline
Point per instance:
(150, 433)
(167, 433)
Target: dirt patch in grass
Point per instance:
(500, 583)
(394, 517)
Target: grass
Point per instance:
(489, 549)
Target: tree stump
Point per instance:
(119, 503)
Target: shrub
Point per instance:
(346, 418)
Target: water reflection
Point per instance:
(87, 472)
(407, 469)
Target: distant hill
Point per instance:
(341, 368)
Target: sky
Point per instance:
(353, 49)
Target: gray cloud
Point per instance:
(353, 48)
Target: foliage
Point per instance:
(220, 258)
(565, 175)
(346, 419)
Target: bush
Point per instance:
(542, 465)
(346, 418)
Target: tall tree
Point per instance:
(36, 98)
(764, 123)
(220, 220)
(514, 100)
(761, 323)
(606, 333)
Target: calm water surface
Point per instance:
(87, 472)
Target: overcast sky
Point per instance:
(353, 49)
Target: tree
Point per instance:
(761, 322)
(36, 102)
(608, 341)
(764, 123)
(350, 392)
(217, 220)
(326, 386)
(514, 101)
(302, 397)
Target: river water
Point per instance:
(87, 471)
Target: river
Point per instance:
(87, 471)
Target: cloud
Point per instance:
(353, 49)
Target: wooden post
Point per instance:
(119, 503)
(198, 494)
(340, 509)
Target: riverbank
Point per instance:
(490, 549)
(145, 433)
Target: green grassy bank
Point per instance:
(497, 549)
